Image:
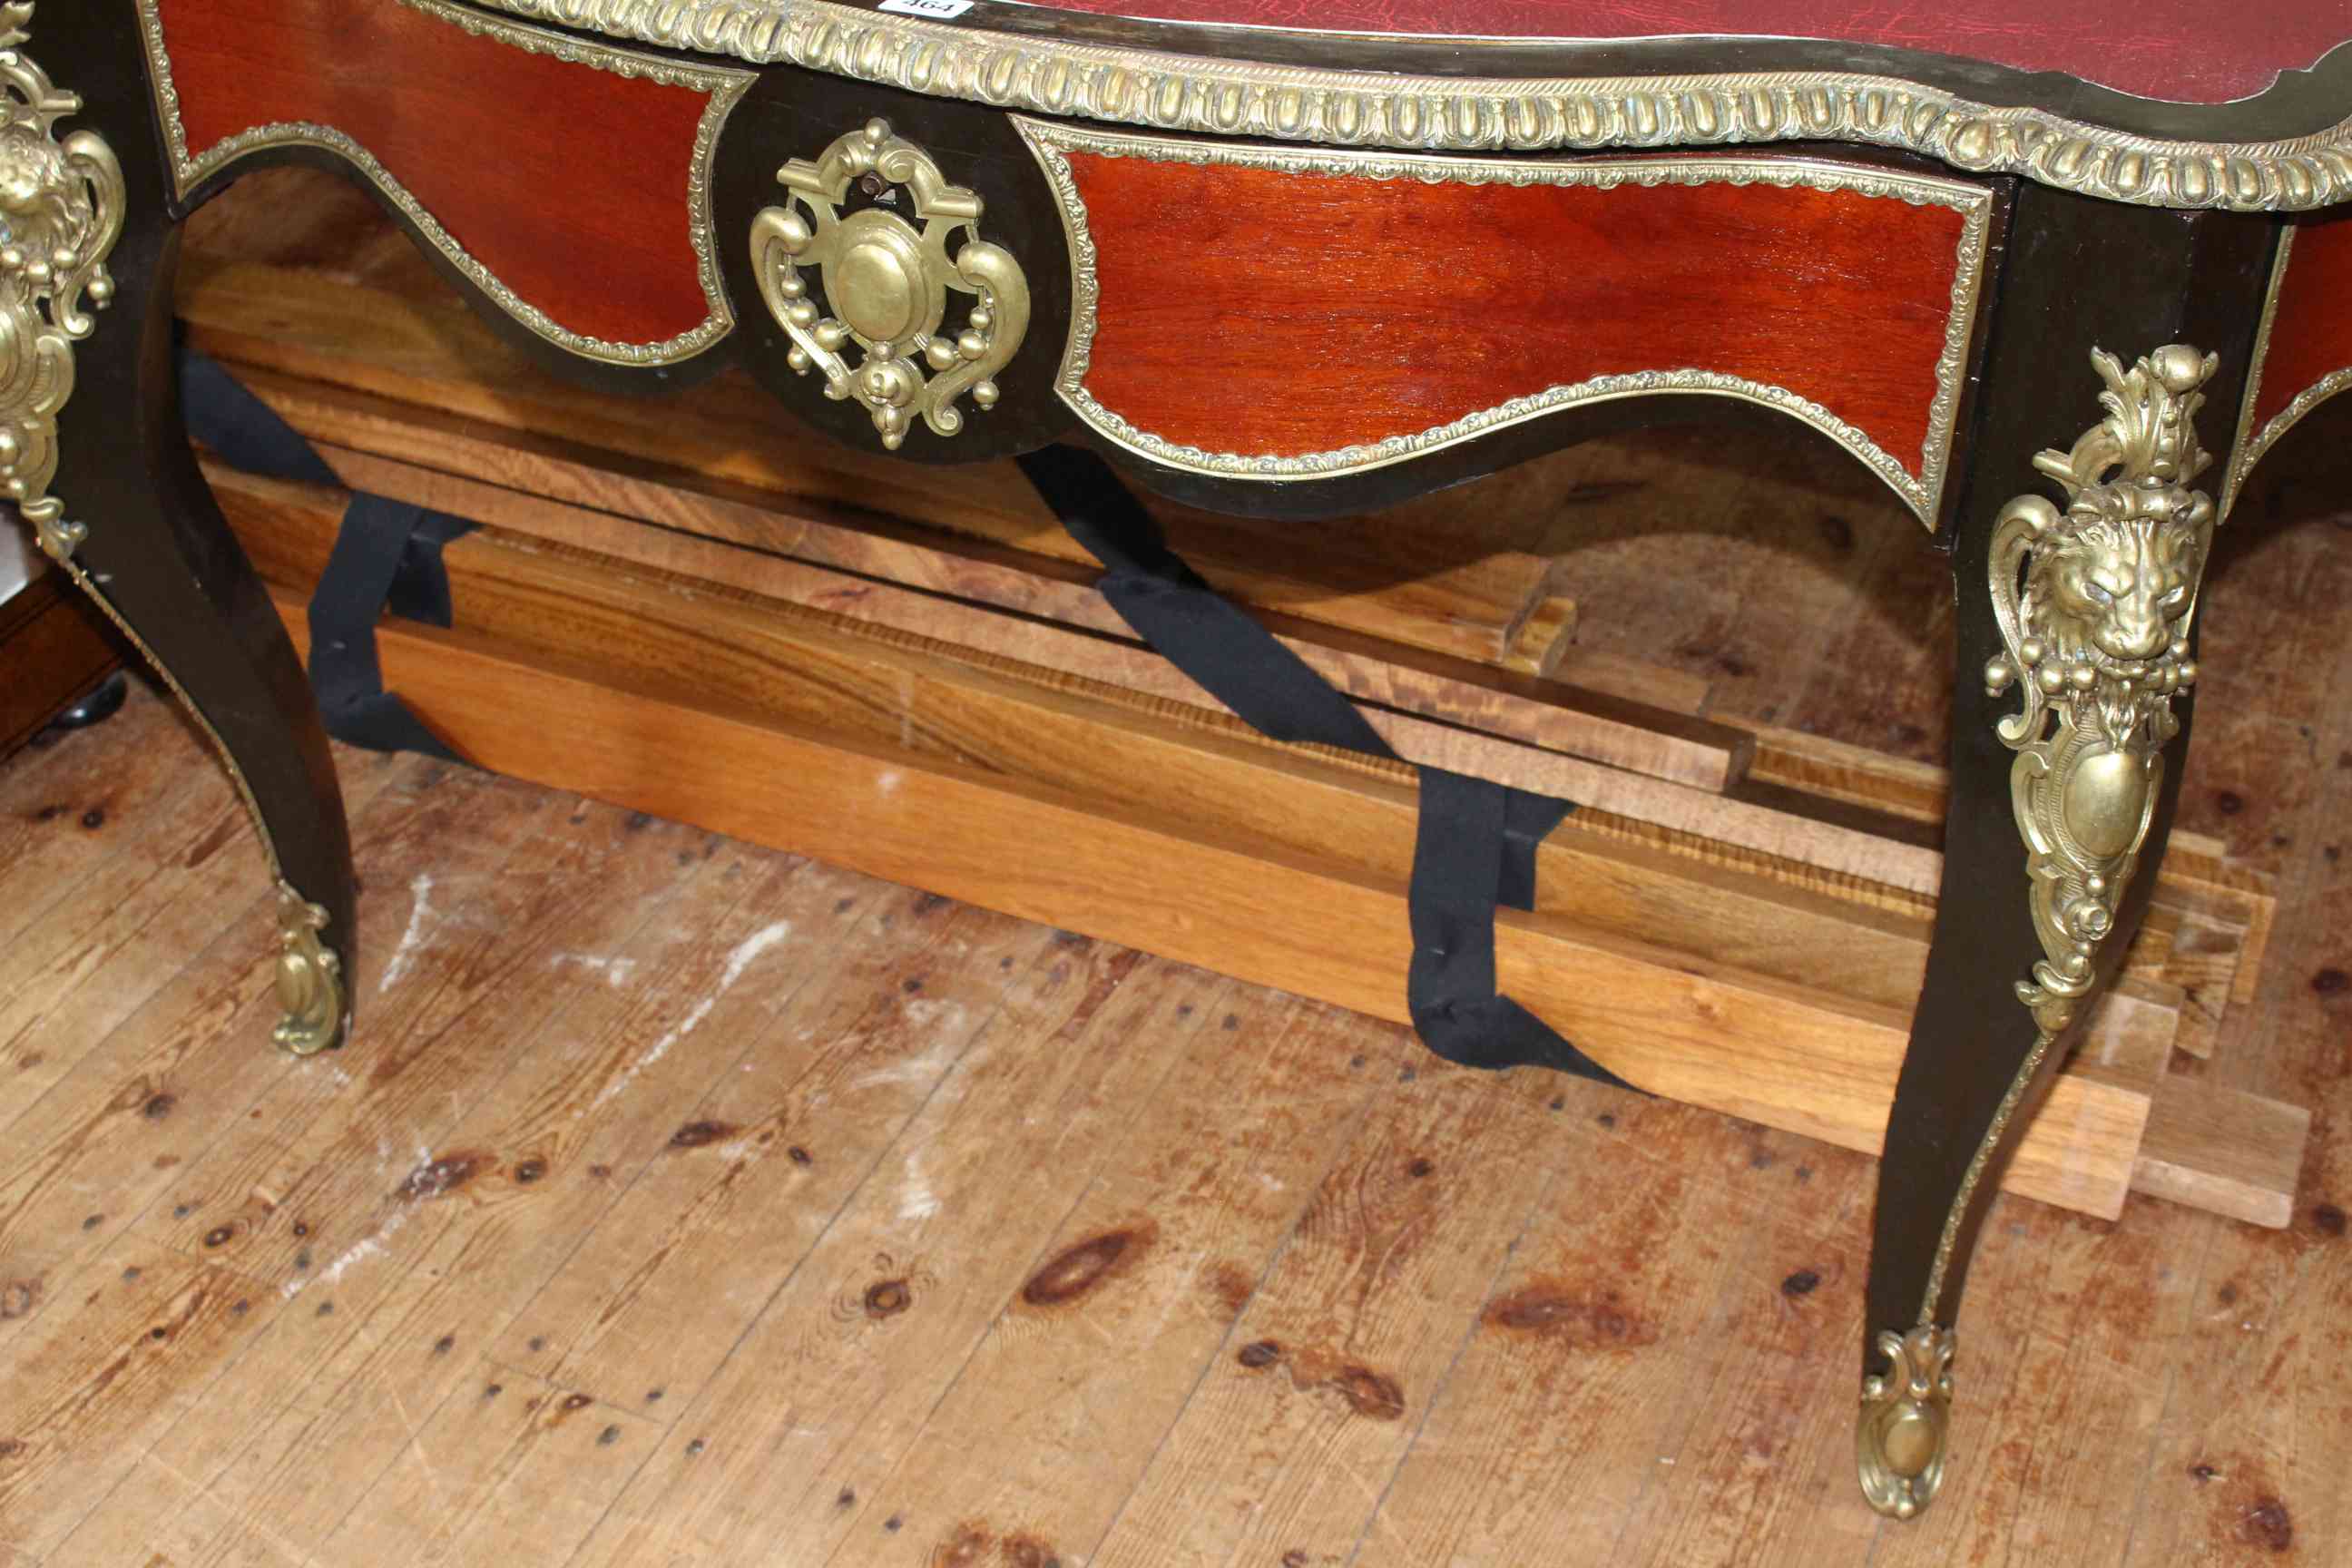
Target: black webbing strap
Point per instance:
(1476, 847)
(387, 555)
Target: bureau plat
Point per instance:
(1296, 261)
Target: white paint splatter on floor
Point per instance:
(421, 910)
(372, 1247)
(916, 1199)
(745, 955)
(617, 971)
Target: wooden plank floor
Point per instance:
(682, 1203)
(687, 1203)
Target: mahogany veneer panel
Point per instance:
(1259, 311)
(2311, 333)
(568, 181)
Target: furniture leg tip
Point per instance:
(1899, 1442)
(309, 979)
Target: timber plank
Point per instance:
(257, 1196)
(1778, 934)
(2224, 1150)
(1766, 1458)
(1574, 1387)
(90, 1389)
(837, 1374)
(1175, 894)
(99, 955)
(665, 1284)
(895, 576)
(1061, 1408)
(2203, 961)
(1290, 1443)
(59, 797)
(457, 1235)
(519, 1476)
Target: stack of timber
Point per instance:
(705, 614)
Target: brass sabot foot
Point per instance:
(1905, 1421)
(309, 978)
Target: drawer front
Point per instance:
(1279, 314)
(567, 180)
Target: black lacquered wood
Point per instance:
(158, 548)
(2079, 276)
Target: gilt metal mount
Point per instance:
(885, 272)
(2093, 604)
(1904, 1416)
(61, 200)
(310, 977)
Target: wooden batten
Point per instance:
(730, 699)
(827, 651)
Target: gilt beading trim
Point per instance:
(1923, 491)
(724, 87)
(1169, 91)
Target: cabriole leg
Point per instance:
(2075, 661)
(93, 454)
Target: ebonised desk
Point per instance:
(2060, 278)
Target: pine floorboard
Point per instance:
(681, 1201)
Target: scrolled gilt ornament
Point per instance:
(2095, 605)
(310, 977)
(1905, 1420)
(885, 283)
(61, 200)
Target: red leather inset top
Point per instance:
(2194, 51)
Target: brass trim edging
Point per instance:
(1169, 91)
(1052, 144)
(725, 88)
(2253, 445)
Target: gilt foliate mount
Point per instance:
(885, 272)
(1907, 1415)
(2095, 605)
(61, 201)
